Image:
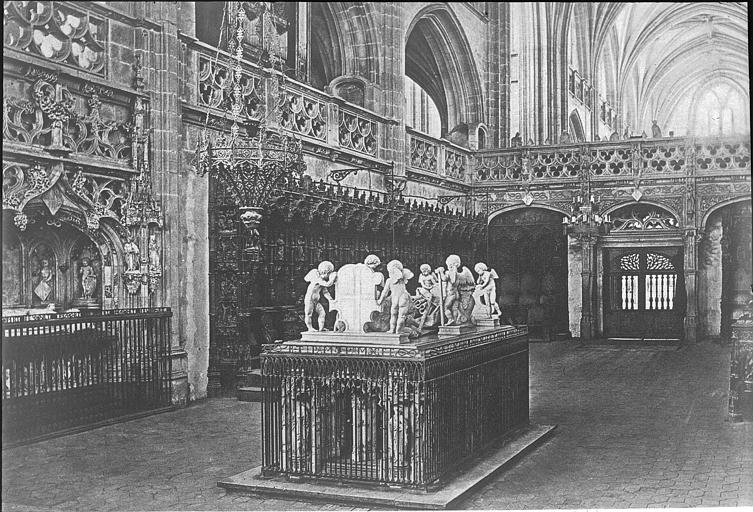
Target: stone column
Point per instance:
(498, 75)
(298, 57)
(391, 82)
(691, 240)
(184, 196)
(574, 288)
(587, 243)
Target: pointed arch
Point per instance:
(576, 127)
(535, 204)
(438, 57)
(719, 206)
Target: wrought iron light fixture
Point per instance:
(250, 166)
(585, 217)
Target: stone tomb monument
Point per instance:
(356, 290)
(420, 420)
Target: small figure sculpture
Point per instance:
(454, 277)
(44, 287)
(132, 256)
(427, 282)
(516, 141)
(154, 263)
(655, 130)
(319, 279)
(299, 251)
(487, 287)
(372, 261)
(401, 300)
(88, 279)
(626, 135)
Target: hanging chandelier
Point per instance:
(585, 217)
(249, 166)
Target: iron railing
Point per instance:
(66, 371)
(398, 415)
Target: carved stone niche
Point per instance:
(352, 89)
(49, 267)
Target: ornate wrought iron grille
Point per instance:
(398, 416)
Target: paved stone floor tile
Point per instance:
(637, 428)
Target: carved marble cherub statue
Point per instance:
(454, 277)
(401, 299)
(320, 279)
(427, 281)
(486, 285)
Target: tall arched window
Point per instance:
(720, 111)
(421, 111)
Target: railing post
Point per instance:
(333, 124)
(441, 163)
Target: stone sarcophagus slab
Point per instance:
(405, 415)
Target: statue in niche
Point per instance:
(401, 299)
(154, 260)
(131, 256)
(280, 250)
(299, 250)
(44, 286)
(456, 308)
(320, 279)
(486, 288)
(626, 134)
(655, 130)
(516, 141)
(88, 279)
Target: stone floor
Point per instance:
(638, 427)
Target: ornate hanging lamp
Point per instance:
(585, 217)
(249, 166)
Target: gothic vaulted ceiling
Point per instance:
(659, 60)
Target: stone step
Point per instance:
(249, 394)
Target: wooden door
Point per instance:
(644, 294)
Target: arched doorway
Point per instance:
(642, 292)
(528, 250)
(725, 269)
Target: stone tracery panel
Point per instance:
(215, 85)
(358, 133)
(304, 115)
(642, 217)
(54, 115)
(58, 32)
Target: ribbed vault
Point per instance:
(663, 55)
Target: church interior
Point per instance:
(174, 174)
